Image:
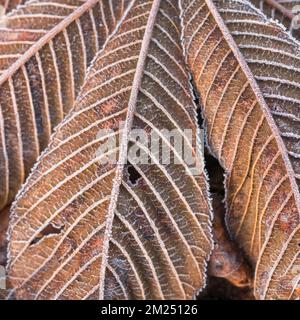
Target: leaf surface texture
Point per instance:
(247, 70)
(45, 49)
(112, 238)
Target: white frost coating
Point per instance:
(47, 150)
(206, 177)
(124, 140)
(24, 188)
(260, 99)
(271, 20)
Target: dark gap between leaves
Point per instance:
(197, 102)
(221, 289)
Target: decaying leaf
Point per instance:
(247, 70)
(45, 49)
(122, 230)
(226, 260)
(221, 289)
(284, 11)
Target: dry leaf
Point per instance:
(8, 5)
(45, 49)
(247, 70)
(227, 260)
(285, 11)
(125, 230)
(221, 289)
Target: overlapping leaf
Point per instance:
(226, 260)
(8, 5)
(45, 49)
(285, 11)
(93, 230)
(247, 70)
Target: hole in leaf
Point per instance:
(49, 230)
(133, 175)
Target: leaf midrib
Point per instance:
(124, 139)
(264, 107)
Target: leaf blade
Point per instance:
(45, 48)
(230, 74)
(283, 11)
(159, 235)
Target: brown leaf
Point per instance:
(247, 70)
(118, 230)
(221, 289)
(284, 11)
(227, 260)
(45, 49)
(9, 5)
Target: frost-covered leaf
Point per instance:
(285, 11)
(8, 5)
(247, 70)
(124, 230)
(45, 49)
